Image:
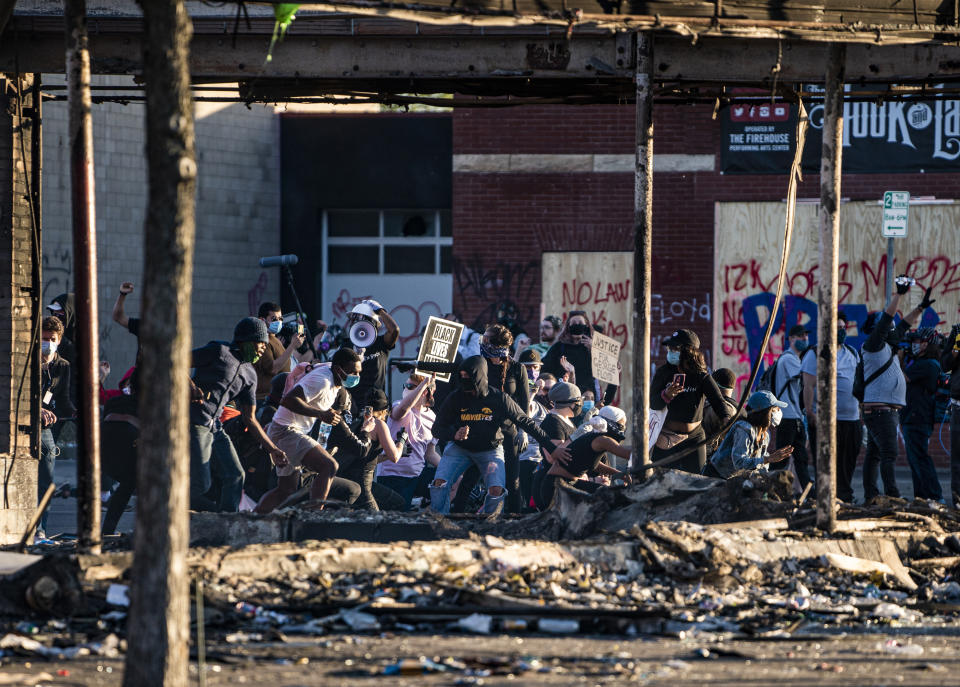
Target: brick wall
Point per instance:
(238, 213)
(19, 370)
(503, 221)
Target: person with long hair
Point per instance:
(570, 358)
(745, 445)
(681, 386)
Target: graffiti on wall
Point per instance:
(504, 285)
(744, 286)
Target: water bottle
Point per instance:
(324, 433)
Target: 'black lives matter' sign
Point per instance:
(440, 341)
(907, 136)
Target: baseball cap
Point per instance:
(761, 400)
(564, 392)
(377, 399)
(54, 306)
(725, 377)
(683, 337)
(798, 330)
(530, 357)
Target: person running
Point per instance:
(471, 422)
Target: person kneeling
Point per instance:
(745, 446)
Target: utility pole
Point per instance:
(158, 626)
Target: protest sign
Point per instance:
(440, 341)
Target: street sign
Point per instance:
(896, 207)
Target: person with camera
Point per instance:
(950, 361)
(570, 360)
(374, 348)
(276, 356)
(681, 386)
(885, 388)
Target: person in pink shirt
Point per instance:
(413, 414)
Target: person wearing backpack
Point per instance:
(885, 389)
(786, 387)
(849, 427)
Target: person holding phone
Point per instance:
(681, 386)
(570, 358)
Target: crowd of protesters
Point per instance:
(276, 420)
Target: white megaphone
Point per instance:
(362, 325)
(362, 334)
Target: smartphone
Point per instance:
(679, 379)
(299, 328)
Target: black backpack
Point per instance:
(860, 384)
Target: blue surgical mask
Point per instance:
(801, 345)
(351, 381)
(48, 347)
(275, 327)
(587, 406)
(673, 357)
(916, 348)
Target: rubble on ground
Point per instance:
(743, 562)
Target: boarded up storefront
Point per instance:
(747, 258)
(602, 285)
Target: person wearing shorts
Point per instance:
(312, 397)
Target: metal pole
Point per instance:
(85, 266)
(830, 171)
(642, 244)
(36, 305)
(889, 270)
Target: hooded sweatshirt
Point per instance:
(484, 413)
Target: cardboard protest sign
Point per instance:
(440, 341)
(605, 354)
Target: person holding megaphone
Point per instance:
(363, 326)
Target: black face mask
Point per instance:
(578, 329)
(614, 432)
(468, 386)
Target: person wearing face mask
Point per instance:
(471, 422)
(275, 358)
(512, 378)
(573, 348)
(921, 369)
(55, 403)
(565, 404)
(713, 424)
(361, 446)
(586, 457)
(588, 409)
(787, 376)
(311, 398)
(885, 389)
(745, 446)
(413, 413)
(549, 329)
(681, 386)
(224, 373)
(119, 436)
(540, 405)
(849, 427)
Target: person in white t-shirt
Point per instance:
(849, 427)
(311, 398)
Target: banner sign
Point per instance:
(605, 357)
(913, 136)
(440, 341)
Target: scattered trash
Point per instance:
(477, 622)
(558, 626)
(893, 646)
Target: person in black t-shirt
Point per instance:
(373, 370)
(566, 403)
(681, 386)
(119, 434)
(570, 358)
